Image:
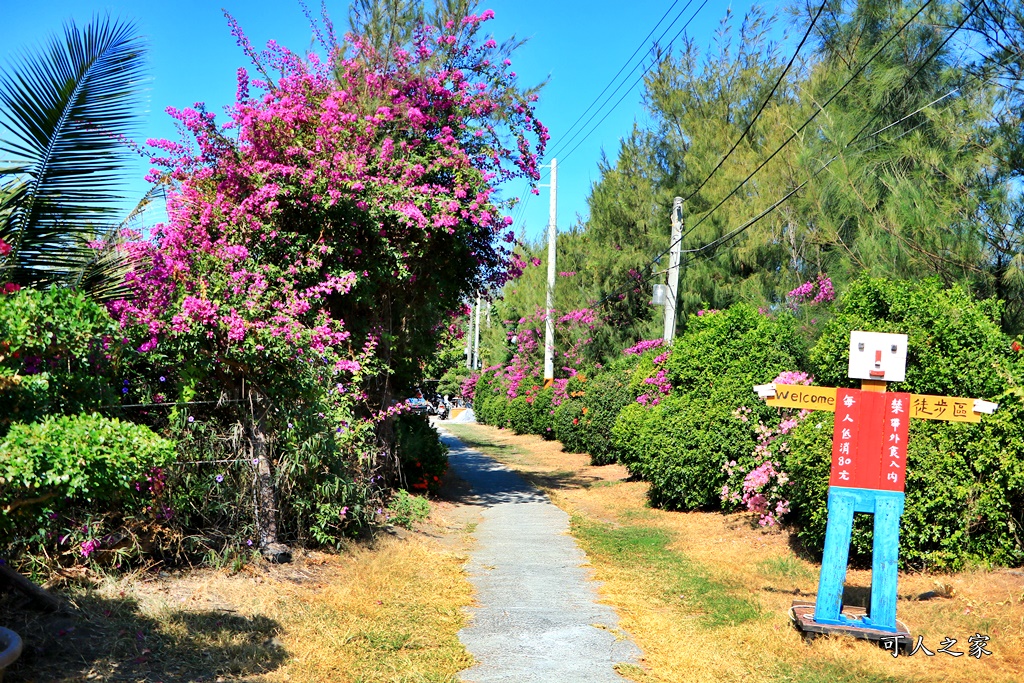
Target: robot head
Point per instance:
(878, 356)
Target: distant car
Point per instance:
(420, 406)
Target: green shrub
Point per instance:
(955, 346)
(406, 509)
(450, 384)
(519, 415)
(672, 446)
(965, 482)
(683, 441)
(497, 410)
(488, 388)
(606, 395)
(724, 354)
(57, 353)
(78, 458)
(543, 418)
(65, 470)
(423, 457)
(570, 425)
(584, 421)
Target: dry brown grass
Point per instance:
(758, 569)
(384, 612)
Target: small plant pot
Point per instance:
(10, 649)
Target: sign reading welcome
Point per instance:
(922, 406)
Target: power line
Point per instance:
(919, 69)
(566, 143)
(623, 67)
(634, 84)
(764, 104)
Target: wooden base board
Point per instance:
(802, 615)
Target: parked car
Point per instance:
(420, 406)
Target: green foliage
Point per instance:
(451, 381)
(528, 414)
(63, 470)
(682, 443)
(543, 418)
(569, 419)
(423, 457)
(405, 509)
(57, 355)
(570, 426)
(680, 446)
(584, 421)
(491, 401)
(519, 415)
(955, 345)
(723, 355)
(79, 458)
(606, 395)
(965, 482)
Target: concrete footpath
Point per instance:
(536, 617)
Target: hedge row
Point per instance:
(685, 420)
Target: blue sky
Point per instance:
(578, 46)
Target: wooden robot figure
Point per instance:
(869, 457)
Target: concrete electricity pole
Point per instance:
(549, 321)
(476, 336)
(469, 341)
(676, 247)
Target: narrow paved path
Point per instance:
(537, 617)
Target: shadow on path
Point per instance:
(490, 482)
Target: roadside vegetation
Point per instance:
(386, 611)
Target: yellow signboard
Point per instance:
(948, 408)
(803, 397)
(922, 406)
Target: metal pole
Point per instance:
(676, 247)
(476, 336)
(549, 322)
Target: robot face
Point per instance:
(878, 356)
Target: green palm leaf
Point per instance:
(65, 109)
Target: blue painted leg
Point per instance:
(884, 560)
(829, 605)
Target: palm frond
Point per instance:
(105, 265)
(65, 110)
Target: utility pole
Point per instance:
(476, 336)
(469, 341)
(549, 321)
(675, 249)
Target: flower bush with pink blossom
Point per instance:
(316, 241)
(758, 483)
(523, 375)
(815, 291)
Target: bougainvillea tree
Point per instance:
(523, 375)
(318, 239)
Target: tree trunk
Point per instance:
(264, 493)
(39, 596)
